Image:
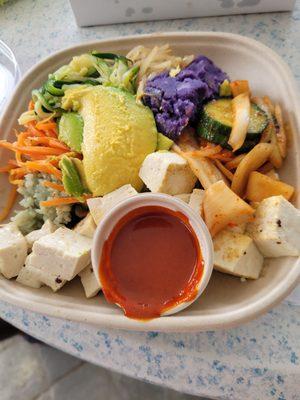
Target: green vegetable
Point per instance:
(71, 178)
(217, 118)
(80, 169)
(51, 88)
(225, 89)
(222, 139)
(93, 69)
(118, 75)
(163, 142)
(38, 96)
(110, 56)
(70, 130)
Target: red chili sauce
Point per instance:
(151, 262)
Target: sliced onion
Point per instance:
(241, 111)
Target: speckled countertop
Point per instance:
(259, 360)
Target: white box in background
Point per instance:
(103, 12)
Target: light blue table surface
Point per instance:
(257, 361)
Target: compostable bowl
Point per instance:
(226, 301)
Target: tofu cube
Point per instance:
(86, 226)
(276, 228)
(13, 250)
(183, 197)
(196, 200)
(166, 172)
(89, 282)
(236, 254)
(102, 205)
(48, 227)
(110, 200)
(95, 207)
(27, 278)
(35, 278)
(65, 253)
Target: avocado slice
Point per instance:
(80, 169)
(163, 142)
(118, 134)
(70, 130)
(71, 178)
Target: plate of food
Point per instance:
(151, 183)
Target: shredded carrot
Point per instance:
(54, 186)
(19, 158)
(18, 172)
(35, 132)
(45, 167)
(59, 201)
(51, 142)
(31, 105)
(38, 157)
(28, 150)
(21, 137)
(45, 126)
(51, 133)
(9, 204)
(39, 150)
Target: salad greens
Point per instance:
(88, 69)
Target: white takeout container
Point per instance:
(101, 12)
(156, 199)
(226, 301)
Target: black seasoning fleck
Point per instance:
(245, 252)
(260, 230)
(278, 242)
(91, 269)
(58, 280)
(278, 222)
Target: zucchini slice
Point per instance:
(222, 139)
(217, 117)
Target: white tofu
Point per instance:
(48, 227)
(100, 206)
(196, 200)
(65, 253)
(183, 197)
(166, 172)
(110, 200)
(27, 278)
(276, 228)
(236, 254)
(35, 278)
(13, 250)
(86, 226)
(95, 207)
(89, 282)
